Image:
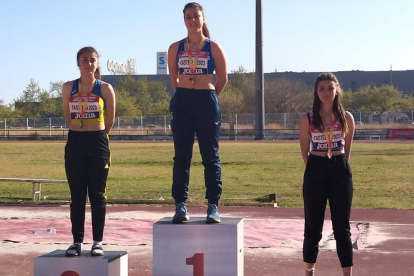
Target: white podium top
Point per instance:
(86, 254)
(201, 220)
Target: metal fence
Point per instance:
(278, 126)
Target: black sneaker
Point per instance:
(74, 250)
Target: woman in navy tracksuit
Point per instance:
(195, 109)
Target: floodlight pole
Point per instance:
(259, 83)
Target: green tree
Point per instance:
(37, 102)
(160, 97)
(231, 100)
(149, 97)
(244, 81)
(125, 104)
(348, 101)
(379, 99)
(47, 105)
(55, 92)
(27, 105)
(5, 110)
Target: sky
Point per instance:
(39, 39)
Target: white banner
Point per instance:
(121, 68)
(162, 63)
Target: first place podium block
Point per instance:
(114, 263)
(195, 248)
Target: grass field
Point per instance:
(383, 173)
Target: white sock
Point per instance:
(80, 244)
(97, 242)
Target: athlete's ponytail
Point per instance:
(98, 73)
(90, 49)
(206, 32)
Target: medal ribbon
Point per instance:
(329, 137)
(83, 105)
(192, 63)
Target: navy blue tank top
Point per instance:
(205, 63)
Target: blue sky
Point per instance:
(40, 39)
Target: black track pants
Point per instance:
(327, 180)
(87, 161)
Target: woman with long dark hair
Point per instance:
(89, 106)
(325, 135)
(195, 109)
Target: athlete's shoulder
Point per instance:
(175, 44)
(349, 118)
(216, 47)
(214, 43)
(67, 86)
(349, 114)
(105, 85)
(305, 118)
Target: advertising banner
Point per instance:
(161, 63)
(401, 133)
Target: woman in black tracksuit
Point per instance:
(325, 135)
(89, 106)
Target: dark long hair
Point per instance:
(206, 32)
(337, 109)
(89, 49)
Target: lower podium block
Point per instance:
(195, 248)
(114, 263)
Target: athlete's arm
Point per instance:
(172, 65)
(349, 136)
(65, 96)
(220, 65)
(304, 138)
(109, 96)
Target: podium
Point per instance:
(195, 248)
(114, 263)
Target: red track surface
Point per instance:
(386, 241)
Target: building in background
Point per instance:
(350, 80)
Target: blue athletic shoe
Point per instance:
(180, 213)
(212, 214)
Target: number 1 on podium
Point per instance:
(197, 261)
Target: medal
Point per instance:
(192, 63)
(329, 153)
(329, 136)
(83, 105)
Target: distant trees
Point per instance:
(231, 100)
(287, 96)
(5, 110)
(281, 95)
(377, 99)
(36, 102)
(133, 98)
(139, 96)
